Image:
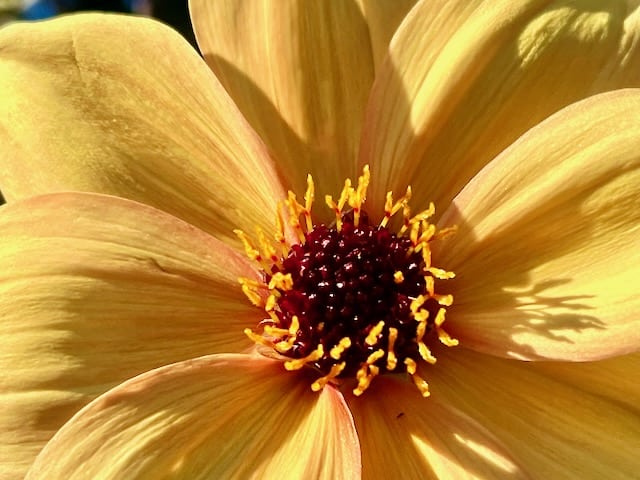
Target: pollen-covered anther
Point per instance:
(444, 300)
(309, 196)
(354, 299)
(281, 281)
(358, 195)
(259, 339)
(342, 200)
(411, 365)
(337, 351)
(443, 336)
(440, 274)
(298, 363)
(425, 353)
(272, 301)
(392, 360)
(421, 384)
(374, 334)
(367, 372)
(364, 376)
(289, 334)
(416, 303)
(320, 383)
(250, 289)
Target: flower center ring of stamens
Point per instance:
(352, 300)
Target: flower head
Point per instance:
(142, 337)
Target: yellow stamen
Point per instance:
(445, 339)
(426, 255)
(295, 209)
(337, 351)
(358, 196)
(275, 331)
(422, 386)
(249, 289)
(374, 333)
(295, 326)
(430, 285)
(375, 356)
(267, 248)
(320, 383)
(421, 316)
(337, 207)
(259, 339)
(411, 365)
(425, 214)
(251, 251)
(443, 336)
(398, 277)
(284, 346)
(308, 202)
(426, 354)
(444, 300)
(392, 360)
(416, 303)
(281, 281)
(440, 274)
(421, 329)
(279, 233)
(406, 214)
(365, 375)
(388, 210)
(298, 363)
(272, 301)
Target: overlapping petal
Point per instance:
(559, 420)
(222, 416)
(466, 78)
(301, 72)
(547, 254)
(124, 106)
(383, 19)
(405, 436)
(94, 290)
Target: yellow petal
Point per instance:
(559, 420)
(547, 255)
(300, 72)
(97, 289)
(404, 435)
(124, 106)
(466, 78)
(383, 18)
(222, 416)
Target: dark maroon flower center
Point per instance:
(344, 284)
(354, 299)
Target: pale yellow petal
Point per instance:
(222, 416)
(560, 421)
(383, 18)
(404, 435)
(547, 254)
(94, 290)
(124, 106)
(466, 78)
(301, 72)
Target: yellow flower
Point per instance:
(119, 307)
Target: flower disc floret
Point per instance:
(353, 299)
